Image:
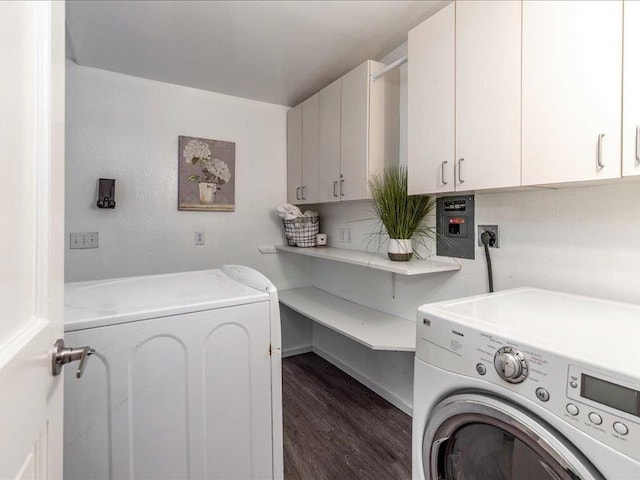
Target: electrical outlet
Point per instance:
(82, 240)
(91, 240)
(199, 237)
(342, 235)
(492, 229)
(267, 249)
(348, 235)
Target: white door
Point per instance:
(310, 149)
(329, 176)
(294, 154)
(571, 91)
(32, 239)
(354, 145)
(431, 104)
(488, 65)
(631, 94)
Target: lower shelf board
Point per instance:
(375, 329)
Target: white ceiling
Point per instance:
(274, 51)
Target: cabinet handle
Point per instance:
(460, 170)
(600, 137)
(302, 192)
(638, 143)
(444, 182)
(335, 185)
(341, 186)
(297, 193)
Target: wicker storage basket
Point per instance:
(301, 232)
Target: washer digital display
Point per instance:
(611, 394)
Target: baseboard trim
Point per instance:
(290, 352)
(389, 396)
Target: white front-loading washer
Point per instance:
(527, 384)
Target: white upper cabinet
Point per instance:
(488, 61)
(309, 192)
(631, 94)
(341, 136)
(354, 145)
(294, 154)
(431, 104)
(329, 178)
(571, 91)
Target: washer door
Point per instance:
(477, 437)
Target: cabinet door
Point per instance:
(431, 104)
(294, 154)
(571, 91)
(631, 94)
(329, 178)
(488, 65)
(310, 149)
(354, 144)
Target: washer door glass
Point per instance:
(479, 437)
(486, 452)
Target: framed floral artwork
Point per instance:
(206, 174)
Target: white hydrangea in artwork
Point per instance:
(196, 150)
(216, 170)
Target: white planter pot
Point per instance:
(400, 250)
(207, 193)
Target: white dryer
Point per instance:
(185, 382)
(527, 384)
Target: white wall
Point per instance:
(127, 128)
(580, 240)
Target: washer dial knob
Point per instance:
(511, 365)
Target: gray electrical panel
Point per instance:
(455, 227)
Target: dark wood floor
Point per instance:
(337, 429)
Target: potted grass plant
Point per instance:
(401, 216)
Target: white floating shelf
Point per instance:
(375, 329)
(373, 260)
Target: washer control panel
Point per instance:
(598, 403)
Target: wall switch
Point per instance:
(345, 235)
(495, 235)
(81, 240)
(199, 237)
(267, 249)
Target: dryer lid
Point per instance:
(121, 300)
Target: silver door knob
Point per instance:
(63, 355)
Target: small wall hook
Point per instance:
(106, 193)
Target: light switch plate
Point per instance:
(82, 240)
(199, 237)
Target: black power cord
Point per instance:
(488, 239)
